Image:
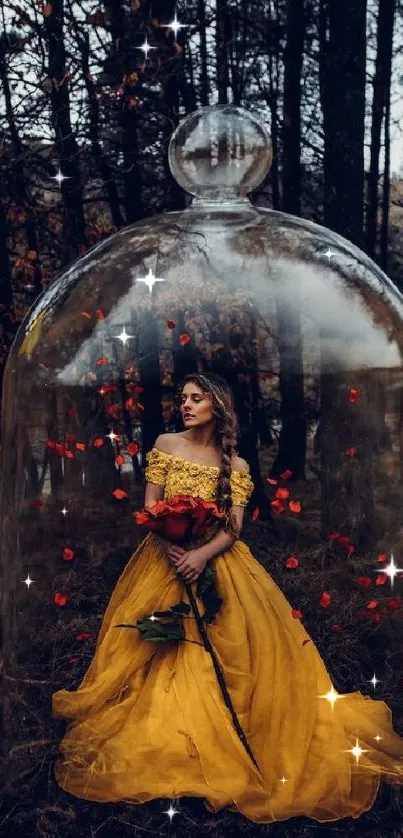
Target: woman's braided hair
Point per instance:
(226, 436)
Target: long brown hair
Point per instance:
(226, 436)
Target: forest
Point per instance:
(91, 94)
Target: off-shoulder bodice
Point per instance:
(179, 476)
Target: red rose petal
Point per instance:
(282, 494)
(292, 562)
(278, 506)
(60, 599)
(353, 395)
(295, 505)
(119, 494)
(325, 599)
(37, 503)
(364, 580)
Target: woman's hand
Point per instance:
(189, 564)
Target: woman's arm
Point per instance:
(222, 540)
(155, 492)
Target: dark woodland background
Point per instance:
(78, 94)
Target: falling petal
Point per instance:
(119, 494)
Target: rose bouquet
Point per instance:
(182, 520)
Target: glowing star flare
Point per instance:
(124, 337)
(374, 680)
(146, 47)
(59, 178)
(391, 570)
(175, 26)
(356, 751)
(171, 812)
(332, 696)
(150, 280)
(27, 581)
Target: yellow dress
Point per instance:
(149, 721)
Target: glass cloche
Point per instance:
(306, 329)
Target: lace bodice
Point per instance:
(179, 476)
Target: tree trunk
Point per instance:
(343, 53)
(380, 102)
(21, 188)
(204, 80)
(125, 67)
(221, 51)
(272, 99)
(347, 481)
(149, 367)
(73, 231)
(386, 170)
(292, 443)
(96, 144)
(292, 107)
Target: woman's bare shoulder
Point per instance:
(167, 443)
(238, 464)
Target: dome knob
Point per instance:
(220, 153)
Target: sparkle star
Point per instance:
(64, 511)
(175, 26)
(124, 337)
(374, 680)
(356, 751)
(332, 696)
(391, 570)
(377, 737)
(112, 436)
(59, 177)
(329, 253)
(150, 280)
(28, 581)
(171, 812)
(283, 780)
(146, 47)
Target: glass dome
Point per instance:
(302, 324)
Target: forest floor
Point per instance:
(351, 642)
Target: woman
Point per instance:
(151, 722)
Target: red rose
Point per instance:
(179, 518)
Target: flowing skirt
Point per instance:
(149, 720)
